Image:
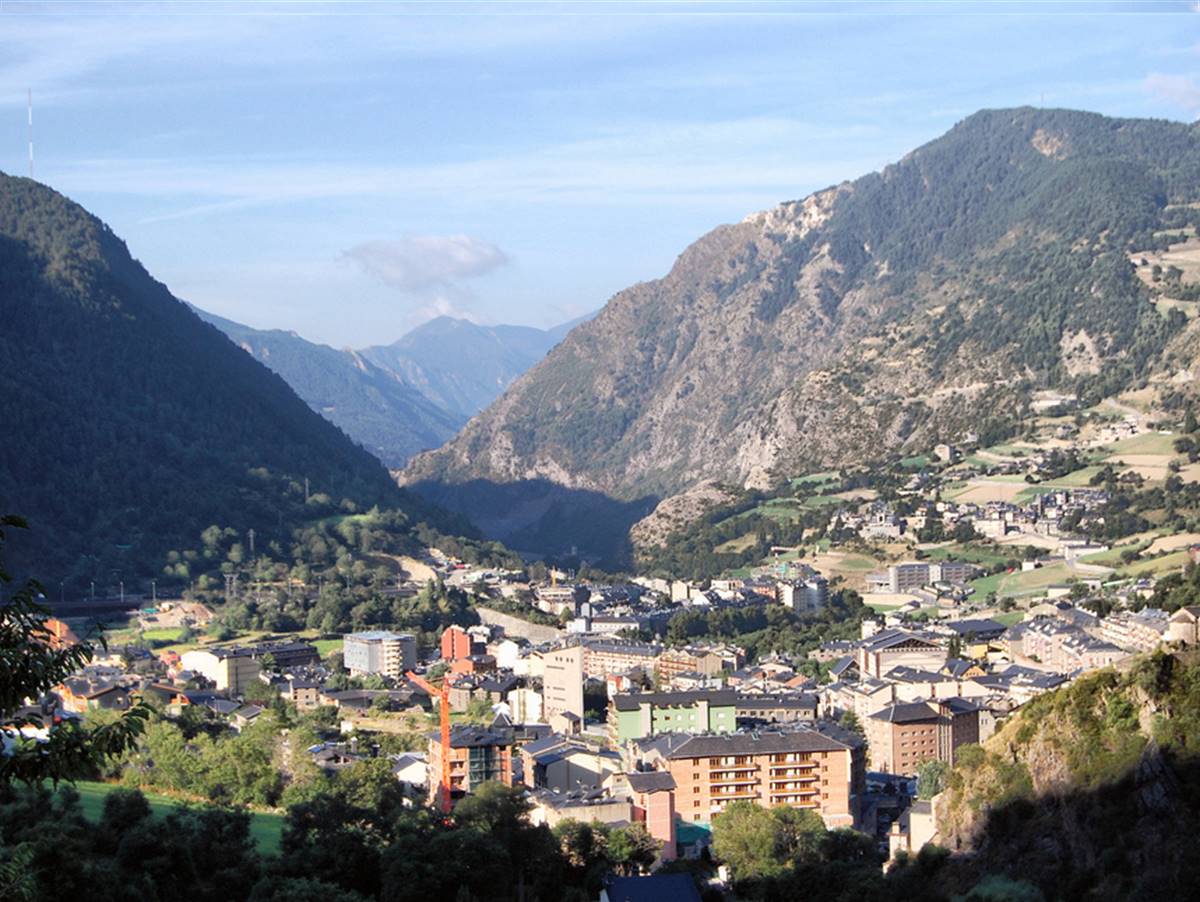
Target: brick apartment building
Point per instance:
(477, 754)
(822, 770)
(904, 735)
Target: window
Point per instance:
(696, 790)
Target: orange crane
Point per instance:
(443, 695)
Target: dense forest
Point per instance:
(131, 426)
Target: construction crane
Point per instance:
(443, 695)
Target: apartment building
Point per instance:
(770, 709)
(604, 656)
(1135, 631)
(904, 735)
(1065, 647)
(379, 652)
(562, 681)
(638, 715)
(457, 643)
(675, 661)
(822, 770)
(810, 594)
(228, 669)
(477, 754)
(913, 575)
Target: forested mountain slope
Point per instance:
(376, 407)
(903, 308)
(129, 424)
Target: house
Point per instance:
(245, 716)
(890, 648)
(412, 770)
(653, 795)
(552, 808)
(79, 695)
(1184, 625)
(654, 888)
(565, 765)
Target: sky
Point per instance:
(348, 170)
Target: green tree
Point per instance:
(749, 839)
(29, 667)
(632, 849)
(931, 778)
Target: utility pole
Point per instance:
(122, 593)
(251, 535)
(154, 591)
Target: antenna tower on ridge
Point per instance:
(31, 132)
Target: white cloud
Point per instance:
(419, 263)
(1180, 90)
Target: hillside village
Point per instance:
(934, 617)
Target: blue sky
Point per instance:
(350, 169)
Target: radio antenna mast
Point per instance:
(31, 133)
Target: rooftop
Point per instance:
(633, 701)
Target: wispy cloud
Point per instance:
(419, 263)
(1179, 90)
(747, 160)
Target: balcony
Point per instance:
(739, 794)
(793, 772)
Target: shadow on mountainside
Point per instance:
(542, 518)
(1131, 838)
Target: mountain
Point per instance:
(130, 425)
(374, 406)
(461, 366)
(901, 309)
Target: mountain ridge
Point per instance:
(383, 412)
(133, 424)
(870, 317)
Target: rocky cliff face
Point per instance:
(1086, 791)
(887, 313)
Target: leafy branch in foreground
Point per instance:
(32, 750)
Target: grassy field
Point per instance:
(975, 554)
(1146, 443)
(1075, 479)
(327, 646)
(880, 607)
(735, 545)
(1008, 618)
(1159, 566)
(266, 828)
(987, 584)
(816, 478)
